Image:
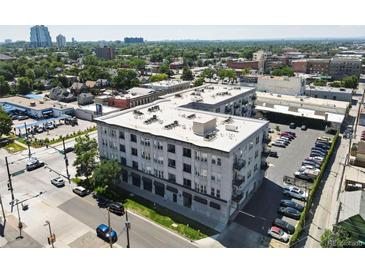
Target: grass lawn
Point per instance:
(13, 147)
(160, 215)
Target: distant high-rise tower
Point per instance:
(8, 41)
(40, 37)
(61, 41)
(105, 53)
(133, 40)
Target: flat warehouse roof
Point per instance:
(39, 104)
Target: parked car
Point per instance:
(39, 129)
(104, 232)
(285, 138)
(295, 192)
(317, 160)
(33, 164)
(49, 126)
(303, 176)
(288, 228)
(67, 150)
(308, 167)
(273, 154)
(116, 208)
(292, 204)
(323, 146)
(278, 144)
(271, 130)
(58, 182)
(316, 154)
(325, 139)
(311, 163)
(278, 233)
(81, 191)
(286, 142)
(291, 133)
(288, 135)
(319, 149)
(292, 125)
(289, 212)
(303, 127)
(5, 141)
(22, 117)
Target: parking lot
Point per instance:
(259, 213)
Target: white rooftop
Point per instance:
(208, 94)
(328, 88)
(155, 122)
(166, 83)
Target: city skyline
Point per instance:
(186, 32)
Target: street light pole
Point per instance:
(66, 160)
(110, 230)
(26, 134)
(51, 236)
(20, 225)
(10, 184)
(127, 225)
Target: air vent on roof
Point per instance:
(172, 125)
(228, 120)
(178, 95)
(191, 116)
(137, 112)
(154, 108)
(232, 128)
(151, 120)
(210, 136)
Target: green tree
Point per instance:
(284, 71)
(350, 81)
(5, 123)
(227, 73)
(24, 85)
(106, 173)
(198, 82)
(164, 68)
(158, 77)
(320, 82)
(4, 86)
(125, 79)
(208, 73)
(86, 150)
(29, 73)
(187, 74)
(336, 238)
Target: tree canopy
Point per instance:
(5, 123)
(86, 150)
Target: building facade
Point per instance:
(61, 41)
(344, 65)
(340, 94)
(201, 164)
(281, 85)
(40, 37)
(106, 53)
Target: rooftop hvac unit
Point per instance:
(232, 128)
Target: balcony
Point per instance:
(238, 181)
(254, 97)
(239, 164)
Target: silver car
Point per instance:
(58, 182)
(295, 192)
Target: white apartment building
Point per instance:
(204, 165)
(168, 86)
(281, 85)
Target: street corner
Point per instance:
(89, 240)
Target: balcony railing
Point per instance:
(239, 164)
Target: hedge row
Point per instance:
(299, 228)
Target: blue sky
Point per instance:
(166, 32)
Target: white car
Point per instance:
(58, 182)
(295, 192)
(278, 234)
(81, 191)
(308, 167)
(271, 130)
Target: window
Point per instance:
(136, 179)
(133, 138)
(135, 164)
(200, 200)
(215, 205)
(212, 191)
(112, 133)
(121, 134)
(159, 189)
(218, 193)
(172, 177)
(172, 163)
(219, 161)
(256, 154)
(171, 148)
(125, 176)
(134, 151)
(187, 168)
(187, 183)
(123, 161)
(147, 184)
(187, 152)
(122, 148)
(214, 160)
(212, 178)
(255, 167)
(257, 140)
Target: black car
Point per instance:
(292, 204)
(102, 201)
(284, 225)
(68, 149)
(289, 212)
(116, 208)
(273, 154)
(304, 127)
(5, 141)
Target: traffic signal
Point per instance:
(9, 186)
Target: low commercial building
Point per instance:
(243, 64)
(36, 108)
(345, 65)
(200, 163)
(313, 112)
(134, 97)
(340, 94)
(85, 98)
(168, 86)
(311, 66)
(281, 85)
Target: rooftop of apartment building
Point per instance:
(345, 57)
(37, 104)
(330, 89)
(208, 94)
(279, 78)
(166, 118)
(166, 83)
(136, 92)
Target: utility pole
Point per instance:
(28, 143)
(110, 230)
(10, 184)
(20, 224)
(127, 225)
(66, 160)
(52, 237)
(2, 209)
